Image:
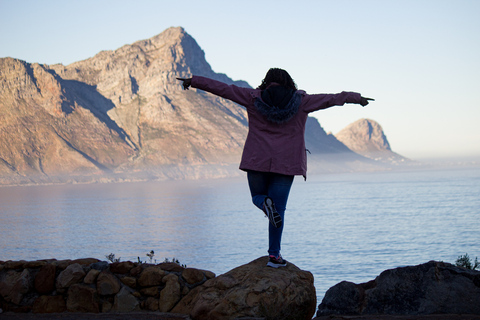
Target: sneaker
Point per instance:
(271, 212)
(276, 262)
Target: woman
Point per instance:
(274, 150)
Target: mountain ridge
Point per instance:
(121, 115)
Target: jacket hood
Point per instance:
(278, 104)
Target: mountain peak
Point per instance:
(170, 36)
(366, 137)
(175, 45)
(143, 68)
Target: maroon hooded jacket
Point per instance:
(276, 135)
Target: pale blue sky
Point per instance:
(420, 59)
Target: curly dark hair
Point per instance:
(279, 76)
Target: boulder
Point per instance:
(125, 301)
(150, 291)
(171, 267)
(91, 276)
(138, 269)
(430, 288)
(192, 275)
(82, 298)
(129, 281)
(151, 276)
(122, 267)
(151, 304)
(72, 274)
(253, 290)
(107, 284)
(14, 285)
(171, 294)
(45, 279)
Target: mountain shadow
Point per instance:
(89, 98)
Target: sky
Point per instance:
(419, 59)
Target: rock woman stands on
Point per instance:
(274, 151)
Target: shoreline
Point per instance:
(145, 177)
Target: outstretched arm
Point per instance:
(322, 101)
(242, 96)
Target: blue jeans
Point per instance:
(276, 186)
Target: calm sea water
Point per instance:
(338, 226)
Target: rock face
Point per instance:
(433, 287)
(366, 137)
(253, 290)
(118, 112)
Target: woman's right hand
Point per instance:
(187, 82)
(364, 101)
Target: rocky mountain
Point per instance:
(119, 112)
(366, 137)
(122, 115)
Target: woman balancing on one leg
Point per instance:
(274, 151)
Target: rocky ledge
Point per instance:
(93, 289)
(92, 286)
(432, 288)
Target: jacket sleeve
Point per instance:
(242, 96)
(314, 102)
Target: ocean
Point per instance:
(349, 226)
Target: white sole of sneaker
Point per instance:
(272, 214)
